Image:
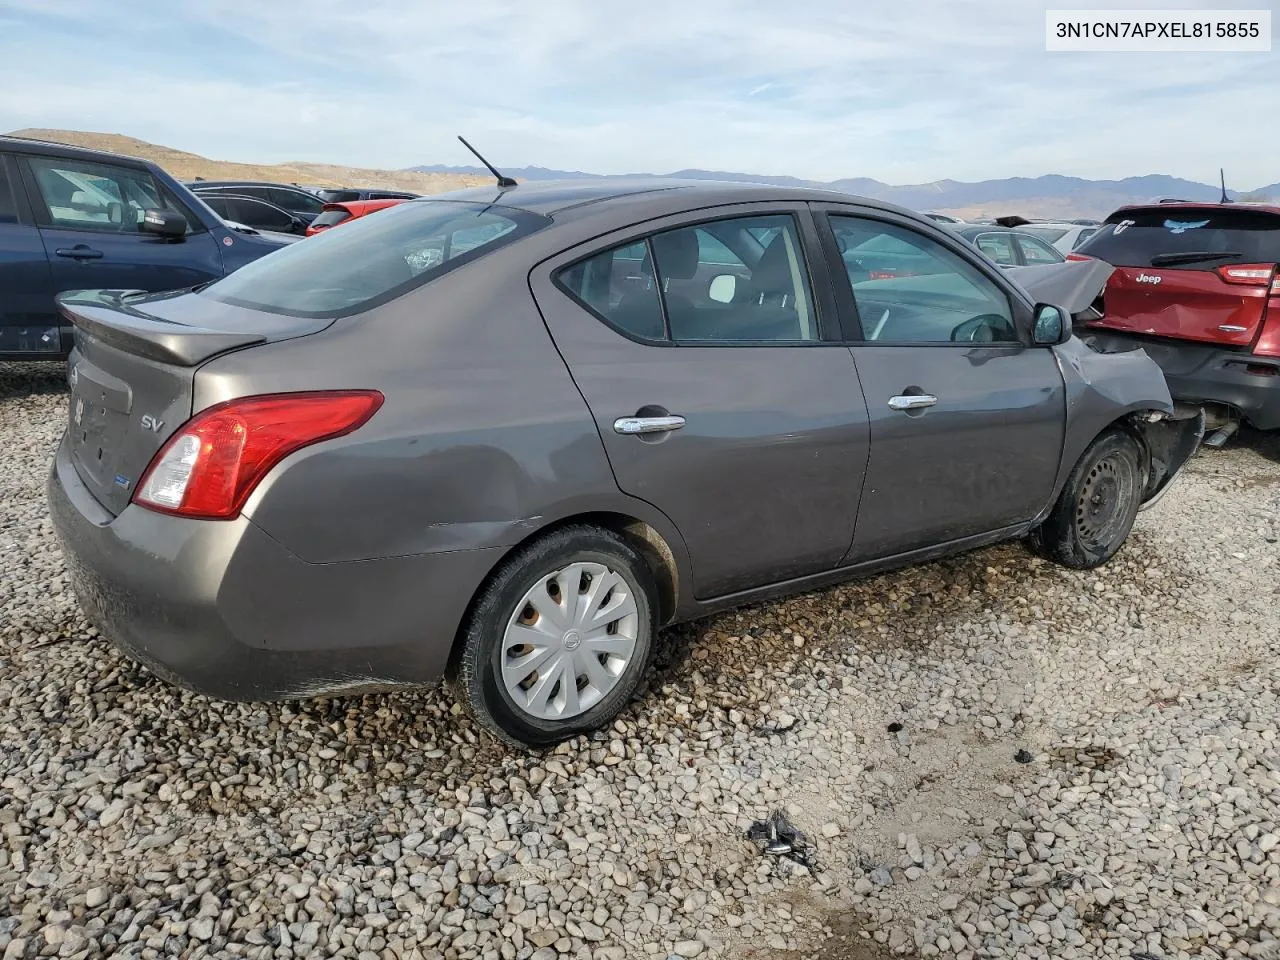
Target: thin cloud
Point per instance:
(924, 90)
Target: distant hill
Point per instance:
(1048, 196)
(188, 166)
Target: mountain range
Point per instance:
(1047, 196)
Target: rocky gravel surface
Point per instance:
(994, 757)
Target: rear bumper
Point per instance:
(221, 608)
(1198, 373)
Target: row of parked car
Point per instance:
(289, 208)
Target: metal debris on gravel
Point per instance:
(140, 821)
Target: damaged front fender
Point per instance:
(1128, 389)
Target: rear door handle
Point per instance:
(79, 252)
(633, 426)
(1232, 328)
(915, 401)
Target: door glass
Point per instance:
(8, 212)
(295, 201)
(770, 299)
(909, 288)
(1037, 251)
(266, 216)
(96, 196)
(618, 285)
(999, 247)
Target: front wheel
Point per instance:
(1097, 506)
(559, 638)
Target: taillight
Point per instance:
(1248, 274)
(1079, 256)
(211, 465)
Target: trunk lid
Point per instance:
(132, 373)
(1173, 275)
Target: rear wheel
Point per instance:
(1097, 506)
(560, 637)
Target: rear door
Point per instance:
(719, 388)
(1188, 273)
(967, 419)
(89, 215)
(28, 320)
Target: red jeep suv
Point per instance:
(1196, 286)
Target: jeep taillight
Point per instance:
(213, 462)
(1248, 274)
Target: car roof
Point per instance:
(195, 184)
(1192, 205)
(556, 198)
(67, 151)
(361, 207)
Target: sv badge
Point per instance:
(151, 423)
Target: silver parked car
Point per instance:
(509, 434)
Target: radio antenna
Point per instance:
(502, 180)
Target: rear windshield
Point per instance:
(1131, 238)
(372, 260)
(339, 196)
(329, 217)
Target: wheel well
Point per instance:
(648, 541)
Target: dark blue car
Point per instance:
(73, 219)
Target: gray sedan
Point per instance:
(509, 434)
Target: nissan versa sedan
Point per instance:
(506, 435)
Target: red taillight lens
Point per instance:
(211, 465)
(1247, 274)
(1078, 256)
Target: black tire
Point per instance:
(1097, 506)
(480, 663)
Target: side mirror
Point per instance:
(1052, 327)
(722, 288)
(163, 223)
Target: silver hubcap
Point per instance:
(569, 641)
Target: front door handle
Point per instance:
(79, 252)
(914, 401)
(634, 426)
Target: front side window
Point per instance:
(265, 216)
(295, 201)
(741, 280)
(924, 294)
(373, 259)
(97, 196)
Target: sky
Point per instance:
(908, 91)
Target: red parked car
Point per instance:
(1196, 286)
(332, 214)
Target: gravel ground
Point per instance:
(994, 757)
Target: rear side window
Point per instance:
(1049, 234)
(1186, 238)
(331, 218)
(740, 280)
(1036, 251)
(8, 212)
(1084, 235)
(997, 246)
(341, 272)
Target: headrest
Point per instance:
(677, 254)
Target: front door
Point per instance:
(89, 215)
(725, 403)
(967, 419)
